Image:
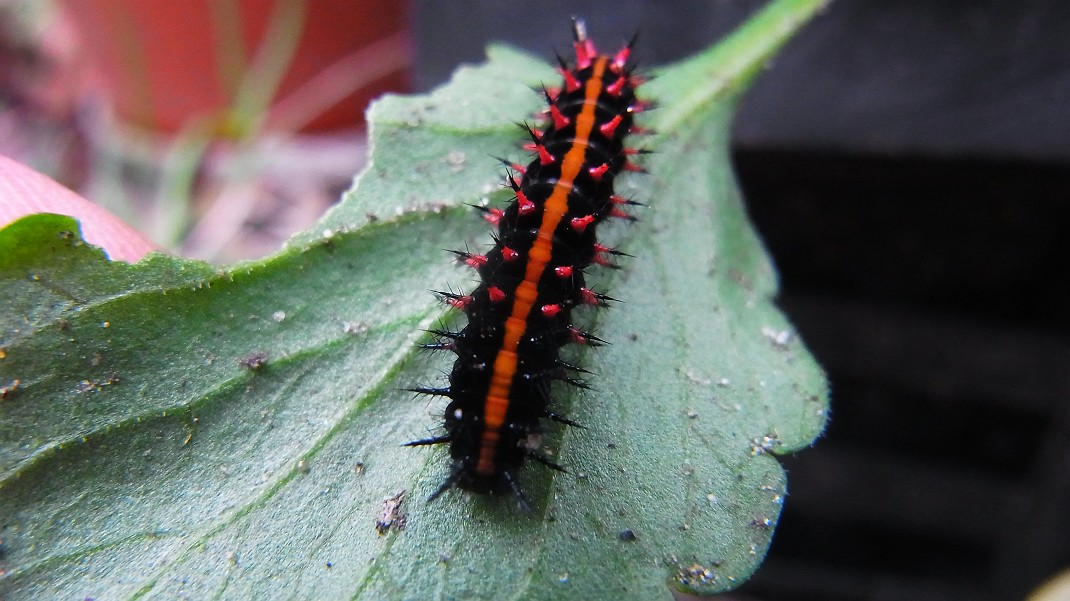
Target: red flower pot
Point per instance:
(286, 65)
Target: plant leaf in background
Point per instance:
(168, 430)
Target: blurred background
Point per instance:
(906, 161)
(216, 128)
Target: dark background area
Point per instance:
(908, 165)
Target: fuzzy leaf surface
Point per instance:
(178, 431)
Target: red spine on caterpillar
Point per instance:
(520, 315)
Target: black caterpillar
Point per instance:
(521, 314)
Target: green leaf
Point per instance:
(181, 432)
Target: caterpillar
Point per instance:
(520, 315)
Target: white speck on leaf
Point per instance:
(779, 338)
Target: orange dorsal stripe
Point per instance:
(496, 403)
